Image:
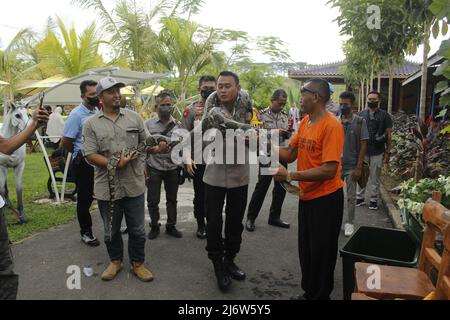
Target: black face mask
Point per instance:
(165, 111)
(93, 101)
(372, 105)
(206, 93)
(345, 109)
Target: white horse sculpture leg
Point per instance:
(18, 173)
(15, 120)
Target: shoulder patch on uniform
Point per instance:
(186, 112)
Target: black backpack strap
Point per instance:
(169, 128)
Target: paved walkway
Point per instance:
(181, 267)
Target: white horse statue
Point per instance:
(14, 121)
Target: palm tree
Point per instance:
(67, 53)
(184, 49)
(129, 26)
(135, 37)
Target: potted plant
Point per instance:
(412, 200)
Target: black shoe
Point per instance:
(223, 279)
(201, 231)
(154, 232)
(89, 239)
(373, 205)
(360, 202)
(279, 223)
(235, 272)
(23, 218)
(250, 225)
(172, 231)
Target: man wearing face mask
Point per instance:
(192, 117)
(379, 123)
(355, 148)
(83, 172)
(160, 167)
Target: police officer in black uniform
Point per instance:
(192, 117)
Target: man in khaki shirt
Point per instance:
(112, 131)
(228, 181)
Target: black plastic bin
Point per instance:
(380, 246)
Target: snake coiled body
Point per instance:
(150, 142)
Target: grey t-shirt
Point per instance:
(377, 123)
(354, 129)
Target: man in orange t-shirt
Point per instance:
(317, 146)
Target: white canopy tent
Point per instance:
(68, 93)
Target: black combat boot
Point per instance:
(223, 279)
(233, 270)
(201, 230)
(154, 232)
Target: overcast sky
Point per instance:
(306, 26)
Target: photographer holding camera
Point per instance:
(380, 125)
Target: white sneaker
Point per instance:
(349, 229)
(90, 240)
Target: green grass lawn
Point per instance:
(41, 216)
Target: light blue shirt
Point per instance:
(73, 129)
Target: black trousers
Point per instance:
(171, 185)
(278, 195)
(84, 179)
(320, 223)
(217, 246)
(199, 197)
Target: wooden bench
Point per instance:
(414, 284)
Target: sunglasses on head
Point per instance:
(305, 90)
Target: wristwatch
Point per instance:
(288, 177)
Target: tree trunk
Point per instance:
(379, 83)
(371, 79)
(362, 95)
(423, 86)
(367, 90)
(391, 87)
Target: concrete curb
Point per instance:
(393, 212)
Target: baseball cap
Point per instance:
(331, 88)
(108, 83)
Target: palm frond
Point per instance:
(105, 16)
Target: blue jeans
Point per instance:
(134, 211)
